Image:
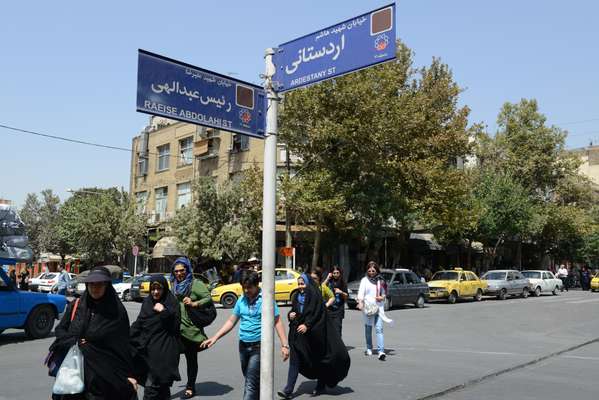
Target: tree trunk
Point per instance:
(519, 255)
(469, 258)
(317, 242)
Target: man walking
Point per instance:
(63, 280)
(248, 309)
(562, 273)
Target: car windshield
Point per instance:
(387, 276)
(49, 276)
(127, 279)
(445, 276)
(532, 274)
(494, 276)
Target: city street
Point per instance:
(521, 348)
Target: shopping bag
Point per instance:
(69, 379)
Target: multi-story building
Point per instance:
(590, 162)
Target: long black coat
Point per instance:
(104, 325)
(154, 338)
(321, 352)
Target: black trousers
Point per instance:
(190, 349)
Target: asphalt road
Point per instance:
(533, 348)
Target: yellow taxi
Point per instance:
(285, 287)
(595, 282)
(454, 284)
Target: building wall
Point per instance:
(219, 154)
(590, 162)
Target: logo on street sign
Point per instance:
(351, 45)
(135, 251)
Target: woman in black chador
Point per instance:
(101, 327)
(317, 350)
(154, 338)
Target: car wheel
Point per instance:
(388, 303)
(420, 302)
(127, 296)
(228, 300)
(554, 291)
(525, 293)
(40, 322)
(502, 294)
(479, 295)
(537, 291)
(453, 297)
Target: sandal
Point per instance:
(189, 393)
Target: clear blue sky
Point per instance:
(69, 68)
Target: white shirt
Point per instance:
(562, 272)
(368, 292)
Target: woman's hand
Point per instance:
(285, 353)
(158, 307)
(302, 328)
(187, 301)
(133, 382)
(292, 315)
(82, 342)
(338, 291)
(360, 306)
(380, 298)
(208, 343)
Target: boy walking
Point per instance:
(248, 310)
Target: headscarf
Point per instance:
(379, 282)
(154, 337)
(182, 288)
(301, 297)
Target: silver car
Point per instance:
(506, 282)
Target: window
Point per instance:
(411, 278)
(398, 279)
(186, 151)
(183, 194)
(281, 275)
(141, 199)
(471, 276)
(161, 200)
(164, 153)
(240, 143)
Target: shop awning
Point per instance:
(166, 247)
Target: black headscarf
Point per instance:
(154, 337)
(321, 352)
(104, 325)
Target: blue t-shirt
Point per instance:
(250, 315)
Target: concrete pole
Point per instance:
(288, 239)
(268, 234)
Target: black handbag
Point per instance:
(202, 316)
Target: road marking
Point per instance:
(582, 358)
(493, 353)
(582, 301)
(476, 381)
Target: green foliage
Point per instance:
(223, 222)
(100, 225)
(378, 144)
(41, 220)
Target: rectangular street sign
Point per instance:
(348, 46)
(186, 93)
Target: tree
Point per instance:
(223, 222)
(100, 225)
(41, 219)
(386, 138)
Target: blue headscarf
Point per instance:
(182, 288)
(301, 297)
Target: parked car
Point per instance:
(595, 282)
(543, 282)
(136, 286)
(54, 283)
(404, 287)
(506, 282)
(35, 282)
(45, 284)
(285, 287)
(454, 284)
(123, 289)
(33, 312)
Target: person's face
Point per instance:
(96, 290)
(315, 277)
(250, 291)
(371, 272)
(156, 291)
(336, 274)
(301, 285)
(179, 272)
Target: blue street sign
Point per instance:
(351, 45)
(186, 93)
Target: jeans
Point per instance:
(380, 340)
(292, 374)
(249, 355)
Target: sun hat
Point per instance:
(98, 274)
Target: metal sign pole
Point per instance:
(268, 234)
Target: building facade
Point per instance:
(590, 162)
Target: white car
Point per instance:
(48, 283)
(123, 289)
(543, 282)
(35, 282)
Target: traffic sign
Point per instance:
(183, 92)
(354, 44)
(286, 251)
(135, 251)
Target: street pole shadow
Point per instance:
(308, 387)
(18, 337)
(206, 389)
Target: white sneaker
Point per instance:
(382, 356)
(368, 352)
